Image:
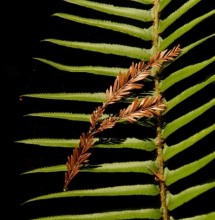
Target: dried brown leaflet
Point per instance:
(123, 85)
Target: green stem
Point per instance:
(159, 139)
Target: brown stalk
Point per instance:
(123, 85)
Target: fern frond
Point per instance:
(177, 200)
(64, 115)
(145, 2)
(182, 30)
(187, 118)
(193, 45)
(177, 14)
(84, 97)
(119, 167)
(130, 143)
(123, 85)
(209, 216)
(172, 176)
(125, 214)
(187, 93)
(171, 151)
(128, 190)
(163, 4)
(144, 34)
(50, 142)
(115, 49)
(50, 169)
(152, 152)
(184, 73)
(97, 70)
(127, 12)
(148, 107)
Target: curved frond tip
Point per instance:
(98, 97)
(208, 216)
(175, 201)
(172, 176)
(173, 150)
(187, 118)
(97, 70)
(183, 30)
(126, 190)
(177, 14)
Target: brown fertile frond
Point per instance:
(72, 168)
(126, 82)
(78, 158)
(86, 141)
(165, 56)
(97, 113)
(123, 85)
(107, 123)
(148, 107)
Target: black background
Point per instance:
(24, 24)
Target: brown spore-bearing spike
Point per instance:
(124, 84)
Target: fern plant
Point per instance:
(147, 170)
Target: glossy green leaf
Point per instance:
(171, 151)
(177, 14)
(133, 13)
(187, 93)
(98, 97)
(187, 118)
(121, 167)
(128, 190)
(62, 115)
(131, 143)
(125, 214)
(144, 34)
(175, 201)
(146, 2)
(163, 4)
(193, 45)
(65, 115)
(115, 49)
(97, 70)
(183, 30)
(209, 216)
(184, 73)
(51, 142)
(172, 176)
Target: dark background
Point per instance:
(25, 23)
